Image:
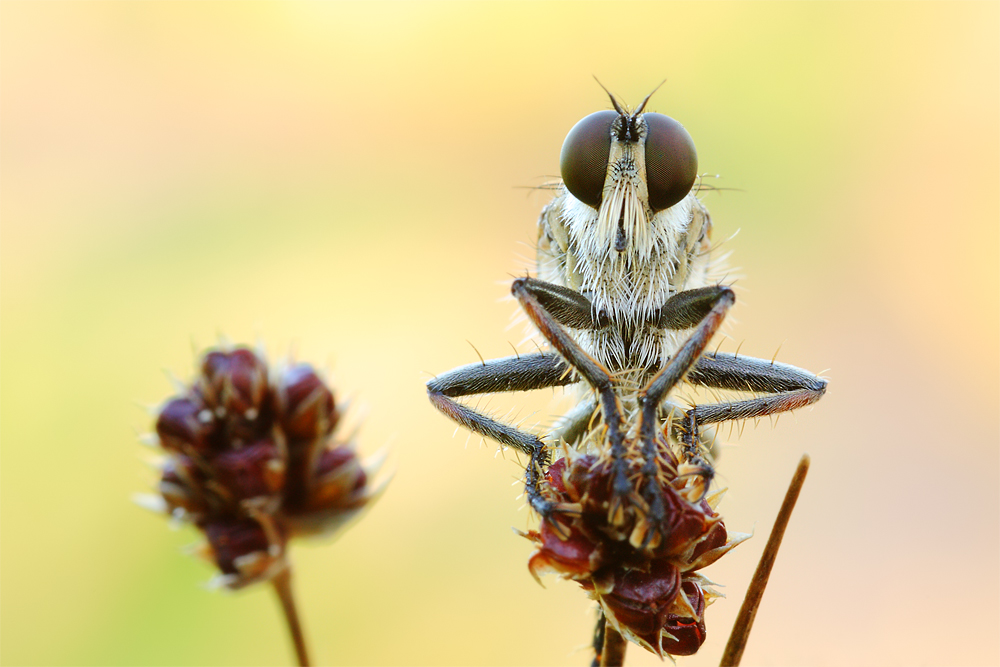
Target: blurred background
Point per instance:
(354, 181)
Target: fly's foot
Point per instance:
(559, 517)
(696, 475)
(622, 494)
(648, 533)
(649, 510)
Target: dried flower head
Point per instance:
(252, 461)
(647, 583)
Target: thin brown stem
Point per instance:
(744, 620)
(613, 654)
(283, 587)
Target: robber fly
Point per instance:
(625, 300)
(624, 265)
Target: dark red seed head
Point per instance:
(186, 425)
(251, 471)
(306, 406)
(688, 632)
(715, 538)
(639, 586)
(182, 486)
(341, 459)
(232, 538)
(573, 555)
(235, 383)
(554, 476)
(249, 451)
(640, 599)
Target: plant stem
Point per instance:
(613, 654)
(744, 620)
(283, 587)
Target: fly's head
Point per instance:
(627, 230)
(628, 167)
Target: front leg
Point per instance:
(532, 296)
(567, 307)
(708, 307)
(519, 373)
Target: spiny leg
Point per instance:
(524, 372)
(566, 306)
(681, 311)
(714, 303)
(708, 306)
(592, 371)
(574, 310)
(573, 425)
(688, 308)
(519, 373)
(787, 388)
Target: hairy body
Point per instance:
(666, 253)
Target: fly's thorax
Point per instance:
(667, 252)
(628, 350)
(556, 263)
(669, 255)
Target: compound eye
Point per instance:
(584, 158)
(671, 161)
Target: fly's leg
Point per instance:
(567, 307)
(574, 424)
(531, 296)
(689, 308)
(570, 309)
(785, 388)
(520, 373)
(672, 415)
(707, 307)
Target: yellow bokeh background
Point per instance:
(345, 179)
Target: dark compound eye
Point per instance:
(671, 161)
(584, 158)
